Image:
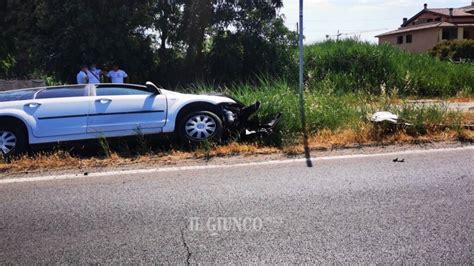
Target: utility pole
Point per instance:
(301, 89)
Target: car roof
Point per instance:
(118, 85)
(19, 90)
(75, 86)
(44, 87)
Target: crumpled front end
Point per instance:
(242, 119)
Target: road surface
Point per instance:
(347, 209)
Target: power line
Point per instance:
(357, 32)
(347, 31)
(352, 20)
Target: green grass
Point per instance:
(327, 110)
(347, 81)
(352, 66)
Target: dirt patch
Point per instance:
(462, 100)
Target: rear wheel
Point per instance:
(12, 140)
(200, 126)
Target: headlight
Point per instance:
(229, 116)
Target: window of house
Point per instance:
(400, 39)
(116, 91)
(409, 38)
(438, 19)
(450, 34)
(63, 92)
(430, 20)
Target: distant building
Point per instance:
(432, 26)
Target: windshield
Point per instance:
(17, 95)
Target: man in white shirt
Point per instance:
(82, 76)
(94, 74)
(117, 75)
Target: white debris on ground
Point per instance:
(387, 117)
(381, 117)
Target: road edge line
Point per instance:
(219, 166)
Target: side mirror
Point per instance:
(153, 88)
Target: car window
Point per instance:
(116, 91)
(18, 95)
(62, 92)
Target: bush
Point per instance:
(457, 50)
(352, 66)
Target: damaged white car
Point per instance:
(80, 112)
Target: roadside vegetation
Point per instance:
(334, 121)
(346, 82)
(456, 50)
(353, 66)
(334, 112)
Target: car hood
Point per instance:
(214, 98)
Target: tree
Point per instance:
(15, 20)
(250, 39)
(224, 41)
(55, 36)
(174, 41)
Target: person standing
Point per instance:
(117, 75)
(94, 74)
(82, 76)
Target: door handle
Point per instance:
(103, 101)
(33, 105)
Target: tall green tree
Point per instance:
(250, 39)
(15, 25)
(56, 36)
(170, 41)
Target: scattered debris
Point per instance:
(381, 117)
(396, 160)
(388, 117)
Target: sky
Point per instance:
(361, 18)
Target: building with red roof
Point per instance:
(432, 26)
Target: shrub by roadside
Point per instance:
(353, 66)
(457, 50)
(327, 110)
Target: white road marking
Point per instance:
(222, 166)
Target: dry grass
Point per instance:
(468, 118)
(324, 140)
(56, 160)
(63, 160)
(461, 99)
(327, 140)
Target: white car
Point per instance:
(79, 112)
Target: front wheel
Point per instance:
(200, 126)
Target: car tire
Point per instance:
(13, 140)
(200, 126)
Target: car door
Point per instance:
(125, 108)
(59, 111)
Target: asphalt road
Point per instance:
(344, 210)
